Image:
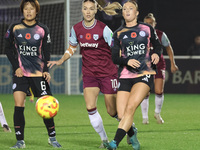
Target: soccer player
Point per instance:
(99, 72)
(131, 51)
(28, 50)
(3, 121)
(159, 80)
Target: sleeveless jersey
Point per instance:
(28, 47)
(95, 49)
(134, 43)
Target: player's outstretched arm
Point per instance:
(68, 53)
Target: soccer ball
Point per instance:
(47, 106)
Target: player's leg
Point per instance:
(40, 87)
(90, 96)
(3, 121)
(108, 86)
(31, 97)
(159, 99)
(20, 86)
(138, 92)
(145, 108)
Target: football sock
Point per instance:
(119, 135)
(130, 132)
(97, 123)
(49, 123)
(145, 107)
(159, 98)
(19, 122)
(2, 116)
(116, 117)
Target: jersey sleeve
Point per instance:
(46, 45)
(155, 42)
(164, 40)
(72, 38)
(10, 49)
(116, 49)
(107, 34)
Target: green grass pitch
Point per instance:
(181, 130)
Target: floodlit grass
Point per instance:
(181, 130)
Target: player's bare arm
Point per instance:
(68, 53)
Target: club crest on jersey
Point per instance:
(95, 37)
(142, 33)
(36, 36)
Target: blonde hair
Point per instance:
(109, 9)
(133, 2)
(150, 16)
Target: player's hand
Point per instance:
(52, 63)
(134, 63)
(174, 68)
(155, 58)
(47, 76)
(19, 72)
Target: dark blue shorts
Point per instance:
(39, 85)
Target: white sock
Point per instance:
(97, 123)
(158, 102)
(145, 108)
(2, 117)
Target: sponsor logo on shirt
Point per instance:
(125, 37)
(48, 38)
(7, 34)
(136, 49)
(20, 35)
(27, 50)
(95, 45)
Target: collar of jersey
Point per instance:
(28, 25)
(90, 27)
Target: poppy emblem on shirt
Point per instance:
(28, 36)
(95, 37)
(133, 35)
(88, 36)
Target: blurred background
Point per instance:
(179, 19)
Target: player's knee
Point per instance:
(159, 92)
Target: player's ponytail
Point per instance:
(150, 16)
(109, 9)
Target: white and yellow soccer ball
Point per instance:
(47, 106)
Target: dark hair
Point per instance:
(110, 9)
(34, 3)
